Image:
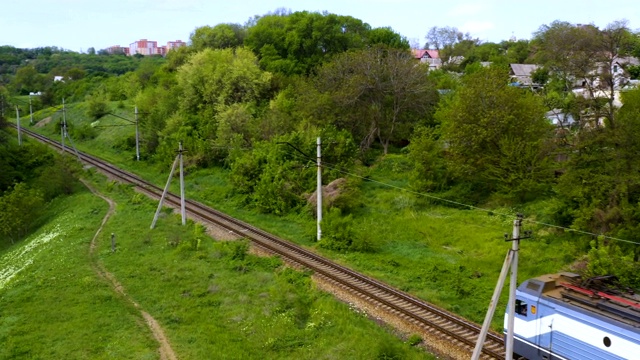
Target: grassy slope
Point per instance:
(212, 299)
(56, 307)
(448, 256)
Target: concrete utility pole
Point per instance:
(177, 160)
(511, 261)
(137, 137)
(319, 189)
(164, 192)
(75, 150)
(492, 306)
(30, 111)
(18, 121)
(515, 247)
(182, 205)
(63, 130)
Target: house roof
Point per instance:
(628, 60)
(524, 70)
(421, 53)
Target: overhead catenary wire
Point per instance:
(531, 221)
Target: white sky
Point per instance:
(79, 24)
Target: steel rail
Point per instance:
(419, 312)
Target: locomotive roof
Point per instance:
(566, 288)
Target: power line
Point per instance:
(328, 165)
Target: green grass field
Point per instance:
(213, 299)
(445, 255)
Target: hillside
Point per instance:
(447, 256)
(209, 297)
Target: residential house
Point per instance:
(591, 86)
(521, 74)
(431, 57)
(560, 119)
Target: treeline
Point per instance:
(31, 175)
(245, 96)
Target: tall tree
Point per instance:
(497, 135)
(297, 43)
(209, 84)
(600, 189)
(440, 37)
(583, 55)
(221, 36)
(381, 93)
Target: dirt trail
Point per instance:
(166, 352)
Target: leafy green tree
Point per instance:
(274, 177)
(215, 78)
(299, 42)
(585, 55)
(27, 79)
(97, 104)
(600, 188)
(611, 260)
(221, 36)
(234, 128)
(157, 104)
(634, 71)
(380, 93)
(442, 37)
(497, 135)
(20, 208)
(210, 85)
(386, 36)
(426, 150)
(58, 176)
(178, 57)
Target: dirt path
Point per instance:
(166, 352)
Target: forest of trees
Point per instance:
(239, 90)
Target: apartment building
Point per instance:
(143, 47)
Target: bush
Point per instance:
(83, 132)
(414, 340)
(338, 234)
(58, 178)
(611, 260)
(97, 105)
(20, 208)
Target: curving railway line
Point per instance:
(458, 332)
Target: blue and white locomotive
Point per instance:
(557, 317)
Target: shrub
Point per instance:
(414, 340)
(338, 234)
(97, 105)
(20, 208)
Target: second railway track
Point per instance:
(449, 327)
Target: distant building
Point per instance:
(432, 57)
(143, 47)
(175, 44)
(117, 49)
(521, 74)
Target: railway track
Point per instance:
(449, 327)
